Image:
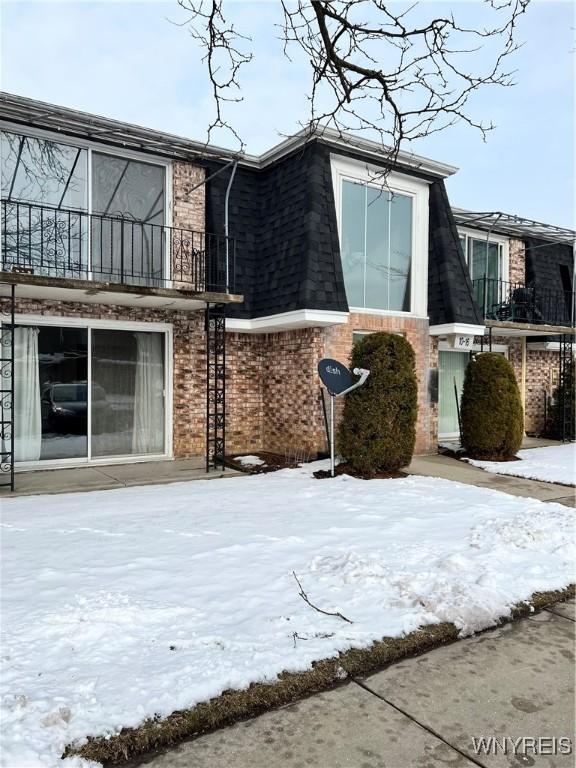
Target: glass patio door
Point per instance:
(88, 393)
(485, 264)
(451, 370)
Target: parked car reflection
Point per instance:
(65, 408)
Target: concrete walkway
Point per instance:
(112, 476)
(462, 472)
(514, 681)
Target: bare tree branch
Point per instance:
(304, 597)
(373, 70)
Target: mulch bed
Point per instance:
(493, 458)
(461, 455)
(346, 469)
(272, 463)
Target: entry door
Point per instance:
(452, 366)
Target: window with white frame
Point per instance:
(484, 256)
(487, 259)
(70, 210)
(39, 170)
(383, 239)
(92, 391)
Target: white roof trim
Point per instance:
(21, 110)
(465, 329)
(286, 321)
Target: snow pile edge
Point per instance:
(235, 705)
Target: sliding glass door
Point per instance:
(88, 393)
(127, 389)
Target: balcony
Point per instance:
(43, 243)
(505, 302)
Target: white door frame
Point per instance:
(118, 325)
(443, 346)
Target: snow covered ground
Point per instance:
(122, 604)
(553, 464)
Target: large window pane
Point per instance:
(43, 171)
(131, 248)
(400, 252)
(354, 241)
(63, 372)
(44, 220)
(127, 393)
(485, 269)
(377, 248)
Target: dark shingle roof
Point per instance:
(288, 256)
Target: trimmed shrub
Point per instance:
(564, 398)
(491, 410)
(378, 428)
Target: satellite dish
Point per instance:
(335, 376)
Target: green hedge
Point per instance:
(378, 429)
(491, 411)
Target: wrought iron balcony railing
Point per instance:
(76, 245)
(519, 303)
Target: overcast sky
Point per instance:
(128, 61)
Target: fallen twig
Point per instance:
(304, 597)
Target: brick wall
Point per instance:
(541, 376)
(188, 207)
(516, 261)
(273, 390)
(188, 213)
(416, 331)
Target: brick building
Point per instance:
(123, 250)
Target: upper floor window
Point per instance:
(376, 247)
(35, 170)
(126, 187)
(57, 175)
(78, 212)
(485, 257)
(383, 238)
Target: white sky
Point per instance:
(126, 60)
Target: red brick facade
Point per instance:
(516, 261)
(541, 378)
(273, 390)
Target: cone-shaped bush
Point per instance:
(491, 411)
(378, 427)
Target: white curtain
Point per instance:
(27, 413)
(148, 435)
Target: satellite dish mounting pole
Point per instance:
(338, 381)
(332, 399)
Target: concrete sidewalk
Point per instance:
(107, 476)
(514, 681)
(449, 468)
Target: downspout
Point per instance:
(226, 223)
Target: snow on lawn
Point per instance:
(553, 464)
(122, 604)
(250, 461)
